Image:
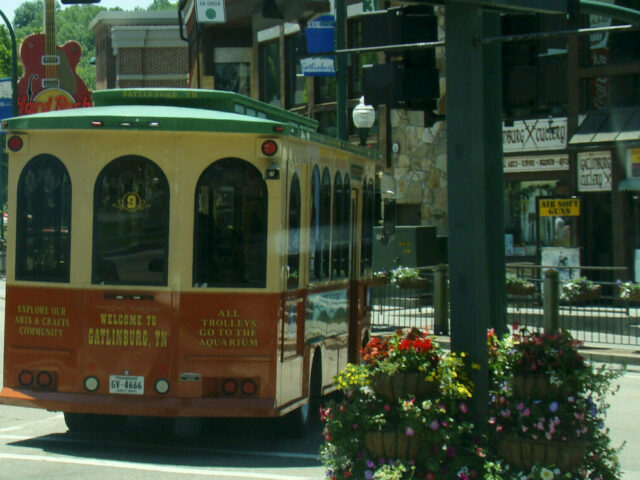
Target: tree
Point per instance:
(162, 5)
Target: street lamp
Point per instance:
(364, 117)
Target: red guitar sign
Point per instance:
(50, 81)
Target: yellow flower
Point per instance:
(475, 366)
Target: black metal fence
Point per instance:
(597, 316)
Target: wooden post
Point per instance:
(551, 300)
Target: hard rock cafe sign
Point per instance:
(50, 81)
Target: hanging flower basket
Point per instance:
(580, 290)
(391, 445)
(534, 386)
(402, 384)
(524, 453)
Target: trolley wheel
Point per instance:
(91, 422)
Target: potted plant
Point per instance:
(579, 289)
(629, 291)
(407, 435)
(408, 277)
(518, 286)
(555, 422)
(381, 277)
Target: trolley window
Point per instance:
(346, 224)
(230, 231)
(325, 220)
(315, 251)
(338, 227)
(131, 224)
(43, 221)
(293, 255)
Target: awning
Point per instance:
(613, 126)
(630, 185)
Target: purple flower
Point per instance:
(371, 464)
(553, 407)
(368, 474)
(435, 425)
(451, 451)
(463, 407)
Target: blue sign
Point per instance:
(321, 34)
(318, 67)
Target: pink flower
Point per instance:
(520, 406)
(409, 432)
(526, 412)
(463, 407)
(387, 407)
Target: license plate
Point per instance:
(126, 384)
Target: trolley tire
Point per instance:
(91, 422)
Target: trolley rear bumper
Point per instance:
(142, 406)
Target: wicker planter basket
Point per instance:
(379, 281)
(391, 445)
(414, 283)
(402, 384)
(534, 386)
(634, 296)
(524, 453)
(590, 293)
(521, 289)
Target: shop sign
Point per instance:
(594, 171)
(210, 11)
(635, 162)
(321, 34)
(317, 67)
(534, 135)
(536, 163)
(559, 207)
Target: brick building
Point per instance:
(139, 49)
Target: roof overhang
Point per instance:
(630, 185)
(608, 126)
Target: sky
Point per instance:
(9, 6)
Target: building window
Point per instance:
(270, 72)
(131, 224)
(43, 221)
(232, 70)
(296, 84)
(230, 231)
(524, 232)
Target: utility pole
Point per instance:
(341, 70)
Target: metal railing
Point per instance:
(600, 316)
